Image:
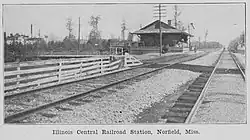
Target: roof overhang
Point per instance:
(141, 32)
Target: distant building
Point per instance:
(21, 39)
(150, 34)
(33, 40)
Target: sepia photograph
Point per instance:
(124, 64)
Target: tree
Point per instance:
(234, 44)
(95, 34)
(69, 26)
(238, 41)
(242, 39)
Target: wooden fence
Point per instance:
(31, 75)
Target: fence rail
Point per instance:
(27, 76)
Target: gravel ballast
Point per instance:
(224, 102)
(122, 106)
(241, 58)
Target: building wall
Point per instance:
(149, 40)
(153, 39)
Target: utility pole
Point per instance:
(177, 13)
(31, 30)
(189, 45)
(160, 15)
(39, 33)
(199, 41)
(189, 31)
(79, 30)
(123, 26)
(205, 37)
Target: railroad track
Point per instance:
(23, 105)
(238, 64)
(188, 103)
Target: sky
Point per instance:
(224, 22)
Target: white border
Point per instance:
(43, 132)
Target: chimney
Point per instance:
(169, 22)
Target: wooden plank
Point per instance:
(47, 62)
(66, 80)
(63, 73)
(72, 76)
(30, 63)
(113, 63)
(67, 77)
(30, 71)
(89, 68)
(45, 80)
(75, 76)
(60, 72)
(30, 77)
(31, 88)
(62, 82)
(111, 68)
(74, 71)
(71, 73)
(18, 76)
(80, 60)
(79, 65)
(93, 71)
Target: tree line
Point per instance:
(238, 42)
(17, 51)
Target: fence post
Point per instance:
(81, 69)
(18, 76)
(102, 66)
(60, 71)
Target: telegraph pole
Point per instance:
(79, 30)
(189, 45)
(160, 15)
(31, 30)
(39, 33)
(199, 41)
(160, 29)
(123, 26)
(177, 13)
(205, 37)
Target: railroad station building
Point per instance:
(173, 39)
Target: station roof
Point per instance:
(153, 28)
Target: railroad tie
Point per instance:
(188, 99)
(195, 89)
(191, 93)
(182, 104)
(176, 119)
(178, 108)
(177, 114)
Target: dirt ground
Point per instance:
(155, 113)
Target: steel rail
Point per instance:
(200, 98)
(24, 113)
(238, 65)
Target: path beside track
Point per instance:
(225, 98)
